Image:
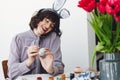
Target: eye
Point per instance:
(47, 20)
(52, 25)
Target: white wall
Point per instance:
(76, 45)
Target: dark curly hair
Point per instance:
(49, 14)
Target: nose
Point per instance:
(48, 25)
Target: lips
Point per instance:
(44, 29)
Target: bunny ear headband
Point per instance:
(56, 8)
(57, 5)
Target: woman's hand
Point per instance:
(32, 52)
(47, 61)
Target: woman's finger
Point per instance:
(33, 54)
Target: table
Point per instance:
(34, 77)
(45, 77)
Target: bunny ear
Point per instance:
(34, 13)
(58, 4)
(64, 13)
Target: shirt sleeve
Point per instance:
(15, 66)
(56, 51)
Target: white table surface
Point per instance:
(34, 77)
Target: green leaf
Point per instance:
(109, 39)
(100, 47)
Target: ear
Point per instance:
(58, 4)
(64, 13)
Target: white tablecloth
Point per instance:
(34, 77)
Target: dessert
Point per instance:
(78, 70)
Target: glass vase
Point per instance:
(110, 67)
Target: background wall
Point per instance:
(77, 39)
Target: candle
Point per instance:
(39, 78)
(51, 78)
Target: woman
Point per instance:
(44, 33)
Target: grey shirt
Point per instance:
(18, 55)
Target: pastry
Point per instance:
(78, 70)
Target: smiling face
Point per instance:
(44, 27)
(44, 22)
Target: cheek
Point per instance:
(39, 27)
(48, 30)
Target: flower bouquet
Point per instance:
(105, 21)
